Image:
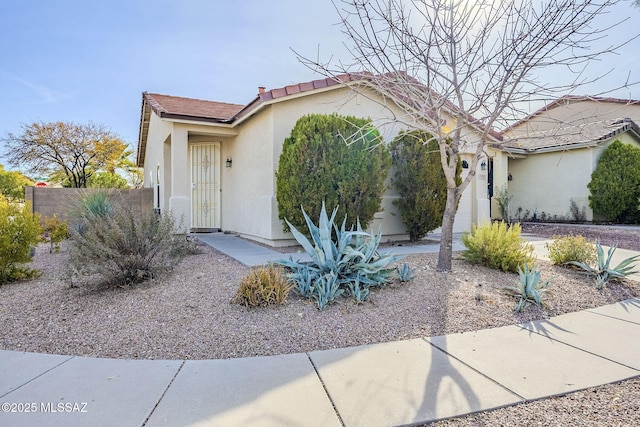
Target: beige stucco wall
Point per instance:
(547, 182)
(247, 184)
(158, 137)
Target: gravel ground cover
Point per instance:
(188, 315)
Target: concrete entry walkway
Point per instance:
(396, 383)
(252, 254)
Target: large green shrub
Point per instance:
(19, 231)
(419, 181)
(123, 246)
(342, 161)
(615, 184)
(497, 245)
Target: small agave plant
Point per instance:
(405, 273)
(348, 263)
(602, 271)
(529, 289)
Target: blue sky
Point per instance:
(87, 60)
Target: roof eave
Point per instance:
(143, 132)
(191, 118)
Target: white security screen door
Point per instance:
(205, 186)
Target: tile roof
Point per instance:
(569, 99)
(572, 135)
(175, 107)
(298, 88)
(179, 107)
(188, 108)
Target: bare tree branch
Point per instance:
(470, 65)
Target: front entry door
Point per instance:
(205, 187)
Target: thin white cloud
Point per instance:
(45, 94)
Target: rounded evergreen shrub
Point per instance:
(340, 160)
(419, 181)
(615, 184)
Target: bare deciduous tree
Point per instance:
(71, 150)
(459, 68)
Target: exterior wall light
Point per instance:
(465, 164)
(483, 166)
(229, 162)
(509, 177)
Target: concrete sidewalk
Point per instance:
(396, 383)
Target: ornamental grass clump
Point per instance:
(263, 286)
(564, 249)
(342, 262)
(124, 246)
(497, 245)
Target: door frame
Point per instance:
(214, 193)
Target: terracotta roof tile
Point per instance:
(306, 86)
(279, 93)
(318, 84)
(173, 106)
(293, 89)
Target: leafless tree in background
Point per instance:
(462, 67)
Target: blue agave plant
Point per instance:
(529, 289)
(342, 261)
(603, 272)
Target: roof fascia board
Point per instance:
(185, 119)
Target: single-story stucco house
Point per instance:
(552, 153)
(213, 164)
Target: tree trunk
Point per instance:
(446, 238)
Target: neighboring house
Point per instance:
(213, 164)
(553, 152)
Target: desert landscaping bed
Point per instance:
(188, 314)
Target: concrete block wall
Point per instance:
(59, 201)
